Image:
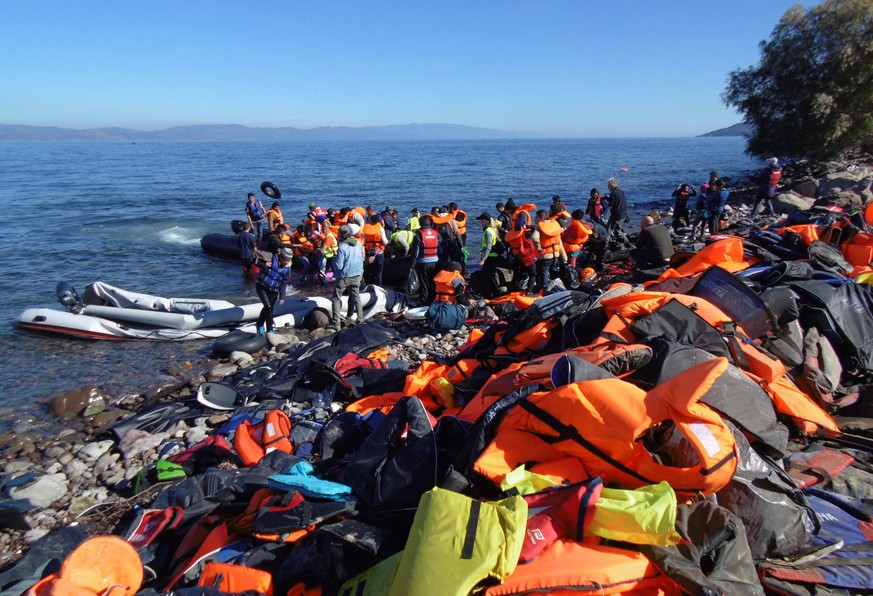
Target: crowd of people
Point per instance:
(523, 248)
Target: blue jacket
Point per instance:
(349, 260)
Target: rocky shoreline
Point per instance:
(79, 475)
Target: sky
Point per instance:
(583, 68)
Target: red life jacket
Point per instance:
(775, 176)
(430, 241)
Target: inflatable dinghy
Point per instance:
(108, 312)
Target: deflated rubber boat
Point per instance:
(108, 312)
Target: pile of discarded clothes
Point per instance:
(688, 436)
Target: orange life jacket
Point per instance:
(550, 238)
(231, 578)
(460, 218)
(561, 215)
(253, 441)
(362, 211)
(859, 249)
(600, 423)
(525, 208)
(513, 239)
(373, 244)
(276, 216)
(444, 290)
(575, 236)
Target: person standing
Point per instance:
(715, 202)
(375, 241)
(617, 202)
(425, 251)
(681, 196)
(274, 216)
(489, 239)
(546, 237)
(256, 214)
(504, 220)
(768, 178)
(594, 209)
(271, 285)
(247, 245)
(348, 269)
(574, 237)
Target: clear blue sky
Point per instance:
(589, 68)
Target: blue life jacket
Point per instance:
(272, 277)
(255, 210)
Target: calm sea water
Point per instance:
(132, 214)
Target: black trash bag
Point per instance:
(713, 557)
(412, 286)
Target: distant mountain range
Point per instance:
(740, 129)
(235, 132)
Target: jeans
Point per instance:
(346, 283)
(258, 229)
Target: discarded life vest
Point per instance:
(583, 420)
(254, 441)
(445, 290)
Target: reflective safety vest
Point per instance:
(404, 235)
(330, 245)
(255, 210)
(582, 421)
(550, 238)
(272, 277)
(445, 291)
(414, 223)
(460, 218)
(430, 241)
(373, 244)
(575, 236)
(277, 217)
(525, 208)
(492, 233)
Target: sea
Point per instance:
(131, 214)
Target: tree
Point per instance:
(811, 94)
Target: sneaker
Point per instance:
(261, 330)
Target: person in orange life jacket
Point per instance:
(389, 220)
(256, 214)
(559, 215)
(450, 285)
(348, 270)
(519, 219)
(328, 251)
(450, 237)
(277, 238)
(352, 216)
(375, 242)
(426, 250)
(546, 237)
(768, 178)
(460, 219)
(574, 237)
(681, 196)
(247, 246)
(274, 216)
(302, 249)
(315, 240)
(595, 248)
(271, 285)
(594, 210)
(654, 246)
(504, 221)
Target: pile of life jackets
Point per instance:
(682, 437)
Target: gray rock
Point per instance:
(195, 435)
(241, 359)
(806, 188)
(65, 458)
(220, 371)
(856, 181)
(80, 504)
(54, 452)
(76, 468)
(281, 337)
(92, 451)
(94, 408)
(131, 472)
(74, 402)
(789, 202)
(54, 468)
(17, 466)
(136, 442)
(44, 491)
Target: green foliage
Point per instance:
(811, 94)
